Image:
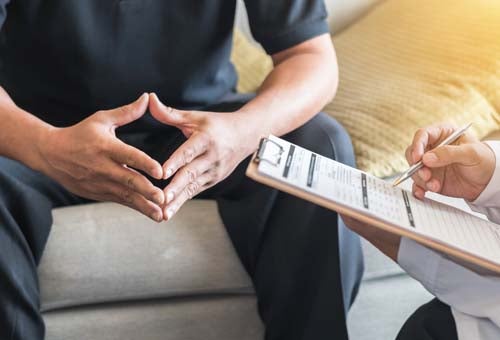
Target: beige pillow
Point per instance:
(251, 62)
(409, 64)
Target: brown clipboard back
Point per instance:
(471, 261)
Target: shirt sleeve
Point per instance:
(475, 299)
(462, 289)
(488, 202)
(281, 24)
(3, 11)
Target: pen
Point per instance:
(417, 166)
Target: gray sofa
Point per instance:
(110, 273)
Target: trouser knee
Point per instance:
(325, 136)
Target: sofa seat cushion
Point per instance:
(105, 252)
(207, 318)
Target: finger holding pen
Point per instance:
(462, 169)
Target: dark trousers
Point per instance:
(305, 265)
(432, 321)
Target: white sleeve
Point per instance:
(451, 283)
(488, 202)
(464, 290)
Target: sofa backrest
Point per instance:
(341, 13)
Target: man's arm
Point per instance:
(305, 75)
(87, 158)
(21, 133)
(303, 81)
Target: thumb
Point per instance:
(450, 154)
(129, 113)
(167, 115)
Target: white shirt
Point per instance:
(474, 299)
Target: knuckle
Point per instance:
(407, 150)
(91, 190)
(190, 174)
(130, 160)
(408, 154)
(130, 182)
(216, 174)
(448, 126)
(100, 115)
(192, 189)
(210, 141)
(86, 174)
(188, 155)
(206, 140)
(420, 132)
(79, 176)
(126, 196)
(104, 145)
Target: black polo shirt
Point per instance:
(62, 60)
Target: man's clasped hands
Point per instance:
(90, 161)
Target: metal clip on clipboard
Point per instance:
(275, 154)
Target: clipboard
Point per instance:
(469, 260)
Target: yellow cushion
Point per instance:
(251, 62)
(409, 64)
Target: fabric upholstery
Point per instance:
(383, 305)
(108, 273)
(207, 318)
(409, 64)
(406, 65)
(107, 253)
(344, 13)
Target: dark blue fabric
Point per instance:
(280, 24)
(26, 201)
(65, 59)
(3, 12)
(305, 264)
(432, 321)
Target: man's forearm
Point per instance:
(303, 81)
(20, 132)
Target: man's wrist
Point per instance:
(30, 151)
(40, 141)
(252, 128)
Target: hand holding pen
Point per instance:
(460, 170)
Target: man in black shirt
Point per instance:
(67, 69)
